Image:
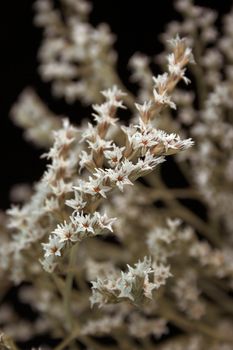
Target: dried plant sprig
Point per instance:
(144, 145)
(90, 190)
(135, 285)
(165, 84)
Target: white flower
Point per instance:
(51, 204)
(104, 222)
(53, 247)
(104, 113)
(183, 144)
(114, 96)
(161, 81)
(86, 160)
(96, 186)
(64, 136)
(127, 167)
(84, 223)
(179, 46)
(120, 180)
(48, 263)
(99, 144)
(163, 99)
(119, 176)
(66, 232)
(125, 285)
(89, 132)
(176, 69)
(174, 42)
(114, 155)
(143, 141)
(77, 202)
(161, 273)
(145, 108)
(92, 223)
(172, 142)
(149, 162)
(148, 287)
(129, 131)
(60, 187)
(141, 268)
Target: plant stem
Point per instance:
(6, 342)
(68, 288)
(183, 212)
(198, 72)
(175, 192)
(67, 340)
(172, 315)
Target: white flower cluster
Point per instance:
(89, 182)
(161, 240)
(73, 51)
(140, 155)
(188, 295)
(141, 328)
(30, 223)
(81, 226)
(31, 114)
(179, 58)
(164, 84)
(102, 326)
(145, 139)
(135, 285)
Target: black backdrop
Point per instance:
(137, 25)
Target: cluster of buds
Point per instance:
(164, 84)
(135, 285)
(75, 56)
(111, 166)
(81, 226)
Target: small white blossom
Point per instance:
(77, 202)
(53, 247)
(148, 163)
(84, 222)
(60, 187)
(88, 133)
(161, 81)
(143, 141)
(114, 96)
(120, 175)
(104, 113)
(94, 187)
(114, 155)
(144, 109)
(66, 232)
(99, 144)
(121, 179)
(104, 222)
(48, 263)
(176, 69)
(86, 160)
(163, 99)
(125, 286)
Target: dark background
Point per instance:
(137, 25)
